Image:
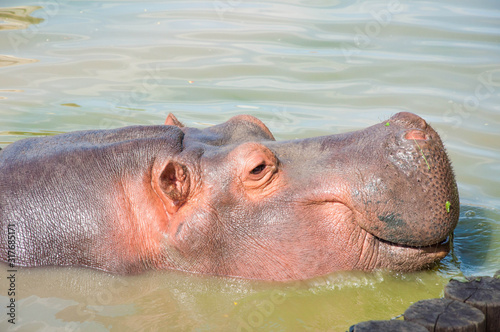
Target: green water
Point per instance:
(306, 68)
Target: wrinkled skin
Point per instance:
(230, 200)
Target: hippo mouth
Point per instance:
(376, 252)
(404, 257)
(439, 245)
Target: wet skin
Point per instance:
(230, 200)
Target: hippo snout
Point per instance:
(410, 197)
(409, 120)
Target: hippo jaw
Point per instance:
(402, 257)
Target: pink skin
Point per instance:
(229, 200)
(323, 211)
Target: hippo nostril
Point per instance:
(415, 134)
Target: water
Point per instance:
(306, 68)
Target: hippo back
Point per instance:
(58, 194)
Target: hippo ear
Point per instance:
(173, 184)
(172, 121)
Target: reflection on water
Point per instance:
(7, 60)
(476, 244)
(305, 69)
(18, 18)
(177, 301)
(477, 241)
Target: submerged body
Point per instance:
(230, 200)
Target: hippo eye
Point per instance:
(257, 166)
(257, 170)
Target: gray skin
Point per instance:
(229, 200)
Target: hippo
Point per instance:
(229, 200)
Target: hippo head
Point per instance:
(241, 204)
